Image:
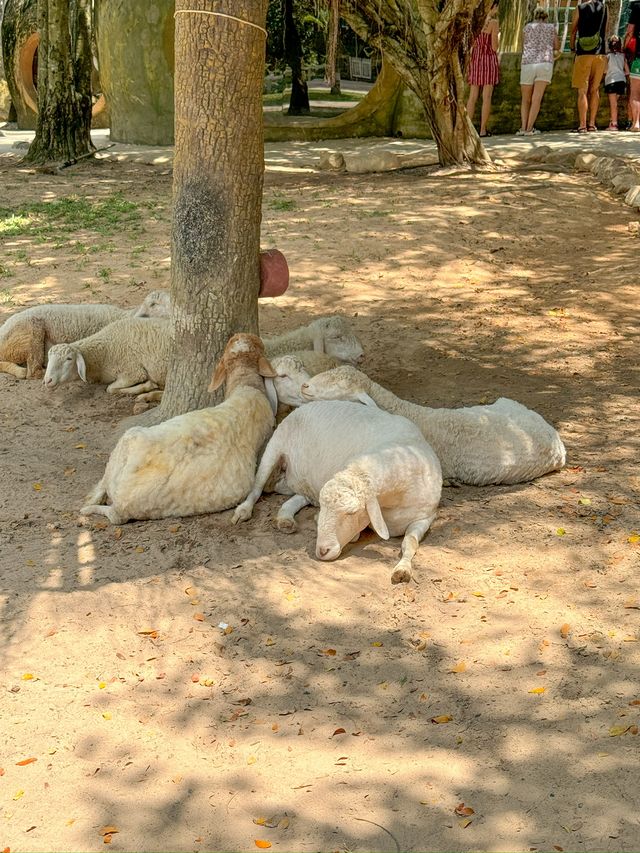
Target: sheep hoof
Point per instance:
(139, 408)
(401, 576)
(242, 513)
(286, 525)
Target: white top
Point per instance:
(615, 68)
(539, 37)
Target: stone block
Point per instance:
(539, 154)
(373, 161)
(584, 161)
(562, 157)
(632, 197)
(332, 161)
(623, 181)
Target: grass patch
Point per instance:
(279, 202)
(46, 220)
(6, 297)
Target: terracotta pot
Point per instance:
(274, 273)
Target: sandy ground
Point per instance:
(147, 726)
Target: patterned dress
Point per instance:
(484, 67)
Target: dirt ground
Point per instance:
(337, 712)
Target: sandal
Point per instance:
(582, 130)
(591, 128)
(613, 126)
(482, 135)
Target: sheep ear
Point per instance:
(218, 377)
(375, 517)
(366, 399)
(318, 343)
(272, 395)
(265, 369)
(81, 367)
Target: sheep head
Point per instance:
(243, 357)
(291, 374)
(347, 505)
(341, 383)
(333, 336)
(156, 304)
(64, 364)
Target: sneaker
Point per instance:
(533, 132)
(521, 132)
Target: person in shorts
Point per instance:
(539, 43)
(632, 48)
(588, 41)
(615, 80)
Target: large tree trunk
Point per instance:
(63, 130)
(299, 100)
(428, 43)
(217, 194)
(333, 40)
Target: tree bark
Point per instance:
(63, 130)
(217, 192)
(428, 43)
(299, 100)
(333, 40)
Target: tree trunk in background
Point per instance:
(63, 130)
(428, 42)
(333, 39)
(299, 101)
(217, 194)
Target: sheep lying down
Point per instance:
(362, 467)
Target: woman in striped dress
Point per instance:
(484, 69)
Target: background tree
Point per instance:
(428, 43)
(333, 45)
(63, 129)
(299, 101)
(217, 194)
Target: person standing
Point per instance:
(588, 28)
(484, 69)
(615, 80)
(632, 48)
(540, 41)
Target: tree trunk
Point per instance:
(428, 43)
(299, 101)
(333, 39)
(63, 130)
(217, 194)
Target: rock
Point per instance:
(538, 154)
(562, 158)
(632, 197)
(332, 161)
(584, 161)
(373, 161)
(20, 145)
(623, 181)
(606, 168)
(634, 227)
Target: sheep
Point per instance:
(503, 443)
(202, 461)
(155, 304)
(26, 337)
(331, 335)
(362, 466)
(297, 365)
(131, 355)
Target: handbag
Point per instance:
(591, 44)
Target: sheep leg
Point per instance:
(117, 386)
(150, 397)
(13, 369)
(140, 388)
(101, 509)
(285, 520)
(412, 537)
(36, 354)
(270, 458)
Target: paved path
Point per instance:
(304, 156)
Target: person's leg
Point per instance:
(536, 99)
(474, 91)
(634, 102)
(582, 107)
(524, 106)
(580, 81)
(487, 94)
(595, 79)
(613, 109)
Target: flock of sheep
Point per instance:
(350, 446)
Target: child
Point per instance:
(615, 79)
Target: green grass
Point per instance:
(50, 220)
(6, 298)
(279, 202)
(314, 95)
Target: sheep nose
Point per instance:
(323, 551)
(360, 358)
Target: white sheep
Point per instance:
(330, 335)
(362, 466)
(26, 337)
(130, 356)
(502, 443)
(157, 303)
(292, 370)
(202, 461)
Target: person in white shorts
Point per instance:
(540, 41)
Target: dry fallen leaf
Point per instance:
(37, 487)
(377, 644)
(28, 676)
(263, 845)
(339, 732)
(148, 633)
(107, 715)
(617, 731)
(252, 759)
(538, 690)
(561, 531)
(25, 761)
(464, 823)
(109, 830)
(463, 811)
(459, 667)
(632, 604)
(565, 630)
(442, 718)
(199, 617)
(634, 538)
(18, 795)
(329, 652)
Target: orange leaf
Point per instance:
(149, 633)
(443, 718)
(329, 652)
(199, 617)
(108, 830)
(565, 630)
(538, 690)
(459, 667)
(1, 771)
(263, 845)
(339, 732)
(107, 839)
(25, 762)
(463, 811)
